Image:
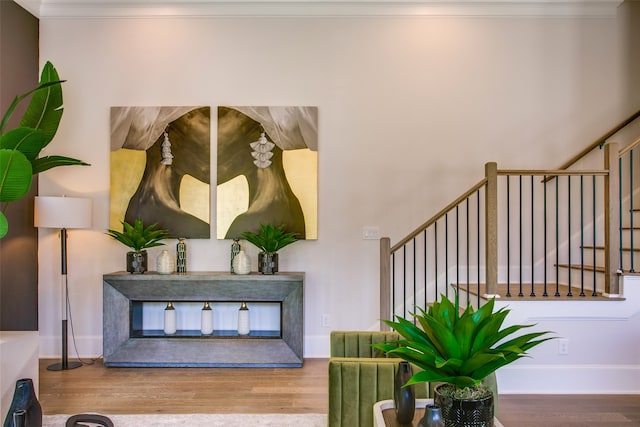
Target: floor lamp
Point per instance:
(63, 213)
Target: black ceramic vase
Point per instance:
(432, 417)
(404, 398)
(25, 410)
(268, 263)
(137, 262)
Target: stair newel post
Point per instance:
(385, 282)
(611, 220)
(491, 228)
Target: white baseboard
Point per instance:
(563, 379)
(88, 347)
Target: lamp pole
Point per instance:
(64, 364)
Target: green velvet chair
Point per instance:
(360, 376)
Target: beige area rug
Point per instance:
(204, 420)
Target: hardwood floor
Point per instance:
(95, 388)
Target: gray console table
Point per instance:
(125, 344)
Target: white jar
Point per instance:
(243, 320)
(169, 319)
(206, 320)
(164, 262)
(241, 263)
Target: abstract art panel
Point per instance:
(267, 170)
(161, 169)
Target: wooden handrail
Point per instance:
(629, 147)
(439, 215)
(598, 142)
(551, 173)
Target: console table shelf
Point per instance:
(125, 344)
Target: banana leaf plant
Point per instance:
(459, 349)
(20, 147)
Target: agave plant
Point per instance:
(20, 147)
(270, 239)
(460, 349)
(138, 237)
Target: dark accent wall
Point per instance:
(19, 71)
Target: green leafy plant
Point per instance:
(138, 237)
(269, 238)
(460, 349)
(20, 147)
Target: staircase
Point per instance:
(561, 234)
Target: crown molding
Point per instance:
(315, 8)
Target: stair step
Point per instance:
(597, 268)
(538, 289)
(600, 248)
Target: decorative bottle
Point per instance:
(181, 260)
(404, 397)
(164, 262)
(25, 410)
(432, 417)
(242, 263)
(206, 322)
(169, 319)
(235, 249)
(243, 320)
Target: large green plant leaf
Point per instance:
(18, 99)
(26, 140)
(15, 175)
(42, 164)
(45, 108)
(4, 225)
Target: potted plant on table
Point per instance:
(138, 237)
(460, 350)
(269, 239)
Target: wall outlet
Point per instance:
(324, 320)
(563, 346)
(370, 232)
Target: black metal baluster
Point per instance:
(619, 213)
(446, 254)
(569, 294)
(508, 237)
(457, 251)
(415, 272)
(393, 285)
(520, 294)
(557, 239)
(478, 243)
(631, 233)
(582, 236)
(426, 265)
(533, 293)
(594, 293)
(435, 259)
(468, 279)
(544, 183)
(404, 280)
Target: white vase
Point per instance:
(169, 319)
(243, 320)
(242, 263)
(164, 262)
(206, 320)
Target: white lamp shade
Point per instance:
(62, 212)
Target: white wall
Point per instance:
(410, 109)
